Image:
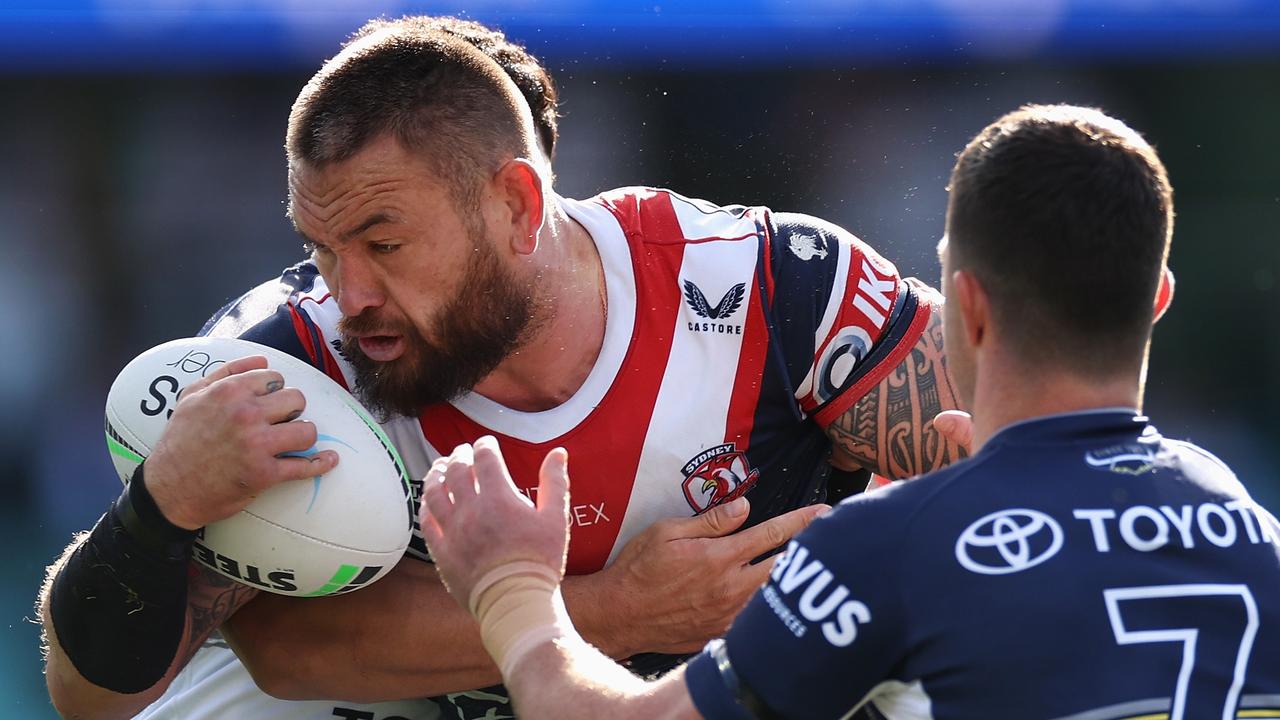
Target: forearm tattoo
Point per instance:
(211, 599)
(890, 429)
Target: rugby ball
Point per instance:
(330, 534)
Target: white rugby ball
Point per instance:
(330, 534)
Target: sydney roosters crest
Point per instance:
(717, 475)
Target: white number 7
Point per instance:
(1157, 598)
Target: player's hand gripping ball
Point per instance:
(331, 533)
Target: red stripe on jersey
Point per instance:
(321, 356)
(304, 334)
(605, 448)
(746, 384)
(846, 399)
(333, 370)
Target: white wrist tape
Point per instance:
(519, 607)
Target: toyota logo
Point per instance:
(1008, 541)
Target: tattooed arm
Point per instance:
(211, 599)
(890, 430)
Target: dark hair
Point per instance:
(525, 71)
(1064, 215)
(439, 95)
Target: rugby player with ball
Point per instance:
(710, 368)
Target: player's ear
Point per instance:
(974, 307)
(1164, 293)
(521, 190)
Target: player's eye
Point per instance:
(384, 248)
(315, 249)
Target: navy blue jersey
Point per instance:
(1079, 566)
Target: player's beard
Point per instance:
(476, 330)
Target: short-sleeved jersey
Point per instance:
(733, 335)
(1079, 567)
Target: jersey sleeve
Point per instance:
(824, 631)
(266, 315)
(840, 313)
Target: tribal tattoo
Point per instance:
(890, 429)
(211, 599)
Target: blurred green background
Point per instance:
(142, 180)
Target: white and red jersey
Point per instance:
(733, 336)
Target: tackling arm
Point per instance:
(404, 637)
(673, 587)
(568, 679)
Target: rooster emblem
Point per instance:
(727, 306)
(722, 475)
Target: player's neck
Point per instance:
(1006, 393)
(549, 367)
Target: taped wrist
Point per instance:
(119, 602)
(519, 607)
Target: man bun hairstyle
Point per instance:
(441, 97)
(1064, 215)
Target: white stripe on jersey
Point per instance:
(698, 377)
(700, 219)
(620, 286)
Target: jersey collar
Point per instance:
(1079, 425)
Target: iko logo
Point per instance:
(1008, 541)
(837, 361)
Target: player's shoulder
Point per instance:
(262, 301)
(266, 314)
(902, 513)
(658, 216)
(1203, 467)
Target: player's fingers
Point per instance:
(716, 522)
(431, 531)
(227, 369)
(956, 426)
(492, 476)
(758, 574)
(303, 467)
(435, 496)
(772, 533)
(291, 438)
(459, 475)
(261, 381)
(283, 406)
(553, 485)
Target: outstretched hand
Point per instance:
(475, 520)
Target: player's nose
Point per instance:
(356, 288)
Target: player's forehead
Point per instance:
(327, 202)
